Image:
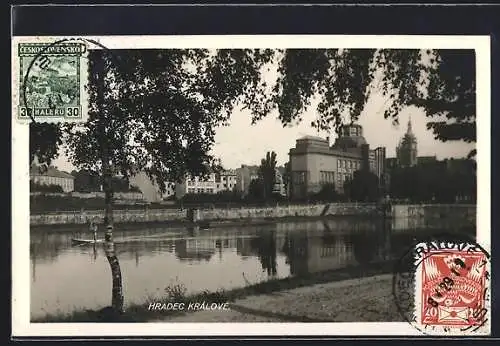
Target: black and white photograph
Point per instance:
(252, 179)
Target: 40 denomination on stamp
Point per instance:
(51, 80)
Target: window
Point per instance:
(327, 177)
(299, 177)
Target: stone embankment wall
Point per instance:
(120, 216)
(432, 215)
(314, 210)
(403, 213)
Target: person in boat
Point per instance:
(93, 229)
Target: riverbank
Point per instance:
(366, 299)
(277, 290)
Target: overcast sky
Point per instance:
(243, 143)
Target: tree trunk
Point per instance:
(117, 290)
(109, 246)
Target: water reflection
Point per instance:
(264, 245)
(228, 257)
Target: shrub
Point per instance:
(52, 188)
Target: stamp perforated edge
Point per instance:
(18, 80)
(436, 330)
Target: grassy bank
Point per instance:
(177, 293)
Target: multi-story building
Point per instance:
(314, 163)
(192, 185)
(52, 176)
(226, 180)
(213, 183)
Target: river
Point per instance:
(65, 277)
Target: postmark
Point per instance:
(50, 77)
(442, 287)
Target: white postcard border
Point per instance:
(21, 325)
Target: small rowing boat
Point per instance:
(75, 241)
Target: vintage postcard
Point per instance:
(233, 185)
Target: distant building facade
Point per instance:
(314, 163)
(244, 176)
(226, 180)
(424, 160)
(52, 176)
(212, 184)
(379, 163)
(406, 151)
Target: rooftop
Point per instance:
(315, 138)
(50, 172)
(351, 152)
(349, 142)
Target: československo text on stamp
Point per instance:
(50, 77)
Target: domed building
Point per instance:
(314, 163)
(351, 138)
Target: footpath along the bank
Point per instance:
(364, 299)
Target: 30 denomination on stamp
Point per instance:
(51, 80)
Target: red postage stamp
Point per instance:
(453, 289)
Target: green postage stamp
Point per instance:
(51, 80)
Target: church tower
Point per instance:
(406, 151)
